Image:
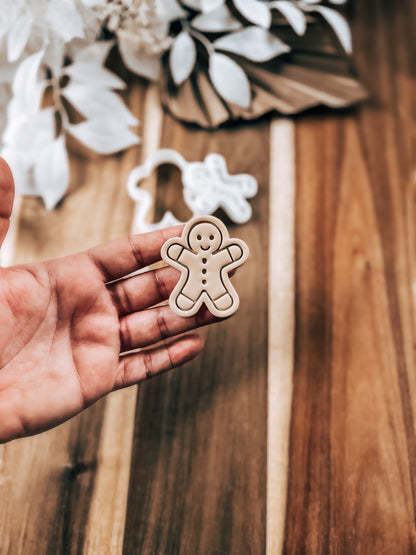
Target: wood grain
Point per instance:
(184, 470)
(198, 476)
(352, 456)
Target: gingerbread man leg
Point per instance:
(224, 302)
(188, 296)
(184, 303)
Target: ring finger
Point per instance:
(144, 290)
(144, 328)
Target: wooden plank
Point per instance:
(281, 325)
(152, 130)
(353, 450)
(107, 513)
(198, 477)
(48, 496)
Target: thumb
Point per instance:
(6, 198)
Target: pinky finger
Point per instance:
(147, 363)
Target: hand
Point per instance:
(64, 327)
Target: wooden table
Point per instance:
(296, 428)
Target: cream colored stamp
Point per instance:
(204, 255)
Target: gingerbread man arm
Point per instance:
(174, 251)
(171, 252)
(233, 254)
(178, 255)
(235, 251)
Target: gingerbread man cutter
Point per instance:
(204, 255)
(207, 186)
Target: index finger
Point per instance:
(120, 257)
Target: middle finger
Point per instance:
(147, 327)
(144, 290)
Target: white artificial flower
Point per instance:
(34, 141)
(142, 30)
(29, 129)
(50, 57)
(30, 25)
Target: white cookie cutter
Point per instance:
(207, 186)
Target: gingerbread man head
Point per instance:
(205, 237)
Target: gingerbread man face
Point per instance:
(204, 255)
(205, 237)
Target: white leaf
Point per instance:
(55, 54)
(96, 53)
(105, 135)
(51, 172)
(339, 25)
(253, 43)
(64, 19)
(95, 103)
(169, 10)
(93, 3)
(146, 65)
(294, 16)
(229, 80)
(18, 36)
(26, 88)
(217, 21)
(193, 4)
(5, 95)
(255, 11)
(28, 133)
(7, 72)
(182, 58)
(209, 5)
(19, 171)
(8, 16)
(90, 73)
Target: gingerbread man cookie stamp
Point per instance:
(204, 255)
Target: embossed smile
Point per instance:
(204, 248)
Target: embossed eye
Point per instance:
(198, 237)
(211, 237)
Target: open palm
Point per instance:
(65, 325)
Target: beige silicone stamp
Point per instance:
(204, 255)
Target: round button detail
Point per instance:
(204, 281)
(204, 271)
